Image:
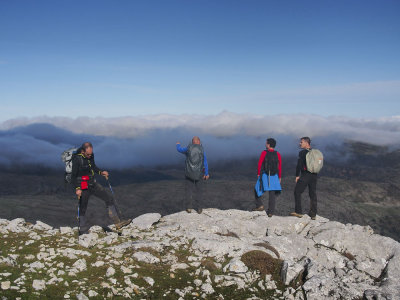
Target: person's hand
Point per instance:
(78, 193)
(105, 174)
(280, 180)
(205, 177)
(297, 178)
(258, 176)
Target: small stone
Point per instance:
(236, 265)
(39, 285)
(5, 285)
(80, 265)
(66, 230)
(149, 280)
(110, 272)
(81, 296)
(146, 257)
(126, 270)
(93, 293)
(197, 282)
(207, 288)
(98, 263)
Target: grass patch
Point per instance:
(229, 233)
(348, 255)
(269, 247)
(263, 262)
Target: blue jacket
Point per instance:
(184, 150)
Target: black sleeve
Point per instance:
(75, 170)
(300, 163)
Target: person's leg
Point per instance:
(258, 201)
(189, 188)
(298, 190)
(198, 195)
(113, 211)
(83, 203)
(271, 203)
(312, 191)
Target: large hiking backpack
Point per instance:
(66, 157)
(194, 162)
(271, 162)
(314, 161)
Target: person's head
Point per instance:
(196, 140)
(270, 143)
(305, 142)
(87, 148)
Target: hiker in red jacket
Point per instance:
(269, 174)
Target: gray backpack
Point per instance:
(194, 162)
(314, 161)
(66, 157)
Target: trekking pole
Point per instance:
(109, 185)
(112, 192)
(79, 215)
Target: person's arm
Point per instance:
(279, 165)
(205, 166)
(260, 162)
(94, 167)
(74, 172)
(181, 149)
(299, 165)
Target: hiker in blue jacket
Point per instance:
(196, 172)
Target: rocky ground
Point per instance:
(219, 254)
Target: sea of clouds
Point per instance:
(126, 142)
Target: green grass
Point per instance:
(165, 281)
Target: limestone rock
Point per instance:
(39, 284)
(146, 257)
(145, 221)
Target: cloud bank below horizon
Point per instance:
(127, 142)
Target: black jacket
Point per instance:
(301, 163)
(82, 166)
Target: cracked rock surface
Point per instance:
(219, 254)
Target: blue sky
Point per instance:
(119, 58)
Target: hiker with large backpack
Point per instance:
(269, 174)
(309, 164)
(82, 173)
(196, 172)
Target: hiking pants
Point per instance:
(193, 193)
(271, 202)
(100, 192)
(306, 180)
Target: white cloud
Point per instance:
(381, 130)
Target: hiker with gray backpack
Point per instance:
(80, 171)
(196, 172)
(309, 164)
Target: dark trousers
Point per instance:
(271, 202)
(99, 191)
(306, 180)
(193, 193)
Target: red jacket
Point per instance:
(261, 160)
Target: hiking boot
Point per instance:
(294, 214)
(269, 215)
(200, 210)
(114, 216)
(188, 210)
(261, 208)
(314, 218)
(123, 223)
